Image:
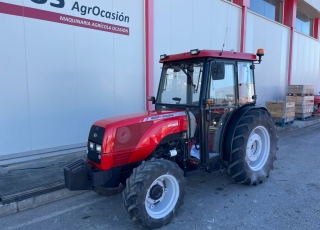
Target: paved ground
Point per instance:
(289, 199)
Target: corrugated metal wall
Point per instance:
(271, 74)
(182, 25)
(57, 79)
(306, 61)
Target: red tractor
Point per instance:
(205, 119)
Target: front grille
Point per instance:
(96, 134)
(94, 156)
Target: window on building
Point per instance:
(304, 24)
(272, 9)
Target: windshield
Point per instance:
(181, 83)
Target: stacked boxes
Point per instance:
(303, 97)
(282, 111)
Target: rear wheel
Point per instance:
(254, 148)
(154, 193)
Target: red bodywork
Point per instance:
(148, 128)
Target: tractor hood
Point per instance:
(133, 137)
(134, 118)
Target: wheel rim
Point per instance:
(258, 148)
(162, 196)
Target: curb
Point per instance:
(36, 201)
(294, 127)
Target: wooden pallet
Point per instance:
(284, 121)
(307, 108)
(301, 100)
(281, 109)
(300, 89)
(300, 94)
(303, 116)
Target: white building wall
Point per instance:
(271, 74)
(306, 61)
(182, 25)
(14, 100)
(58, 79)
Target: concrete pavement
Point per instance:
(289, 199)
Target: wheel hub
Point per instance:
(162, 196)
(254, 147)
(258, 147)
(156, 192)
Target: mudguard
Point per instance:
(230, 128)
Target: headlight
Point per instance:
(91, 145)
(98, 148)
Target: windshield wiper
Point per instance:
(189, 77)
(196, 89)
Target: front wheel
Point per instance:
(254, 148)
(154, 193)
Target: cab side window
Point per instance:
(223, 91)
(245, 79)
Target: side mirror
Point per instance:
(152, 99)
(217, 71)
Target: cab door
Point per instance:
(222, 94)
(245, 82)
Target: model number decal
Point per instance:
(164, 116)
(173, 124)
(59, 4)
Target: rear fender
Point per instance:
(230, 128)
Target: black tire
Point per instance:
(108, 191)
(243, 168)
(139, 184)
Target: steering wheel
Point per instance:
(177, 99)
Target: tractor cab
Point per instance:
(210, 86)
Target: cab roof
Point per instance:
(210, 53)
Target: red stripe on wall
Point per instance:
(243, 29)
(245, 4)
(316, 25)
(11, 9)
(28, 12)
(290, 13)
(149, 18)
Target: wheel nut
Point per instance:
(152, 206)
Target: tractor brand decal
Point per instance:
(159, 117)
(28, 12)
